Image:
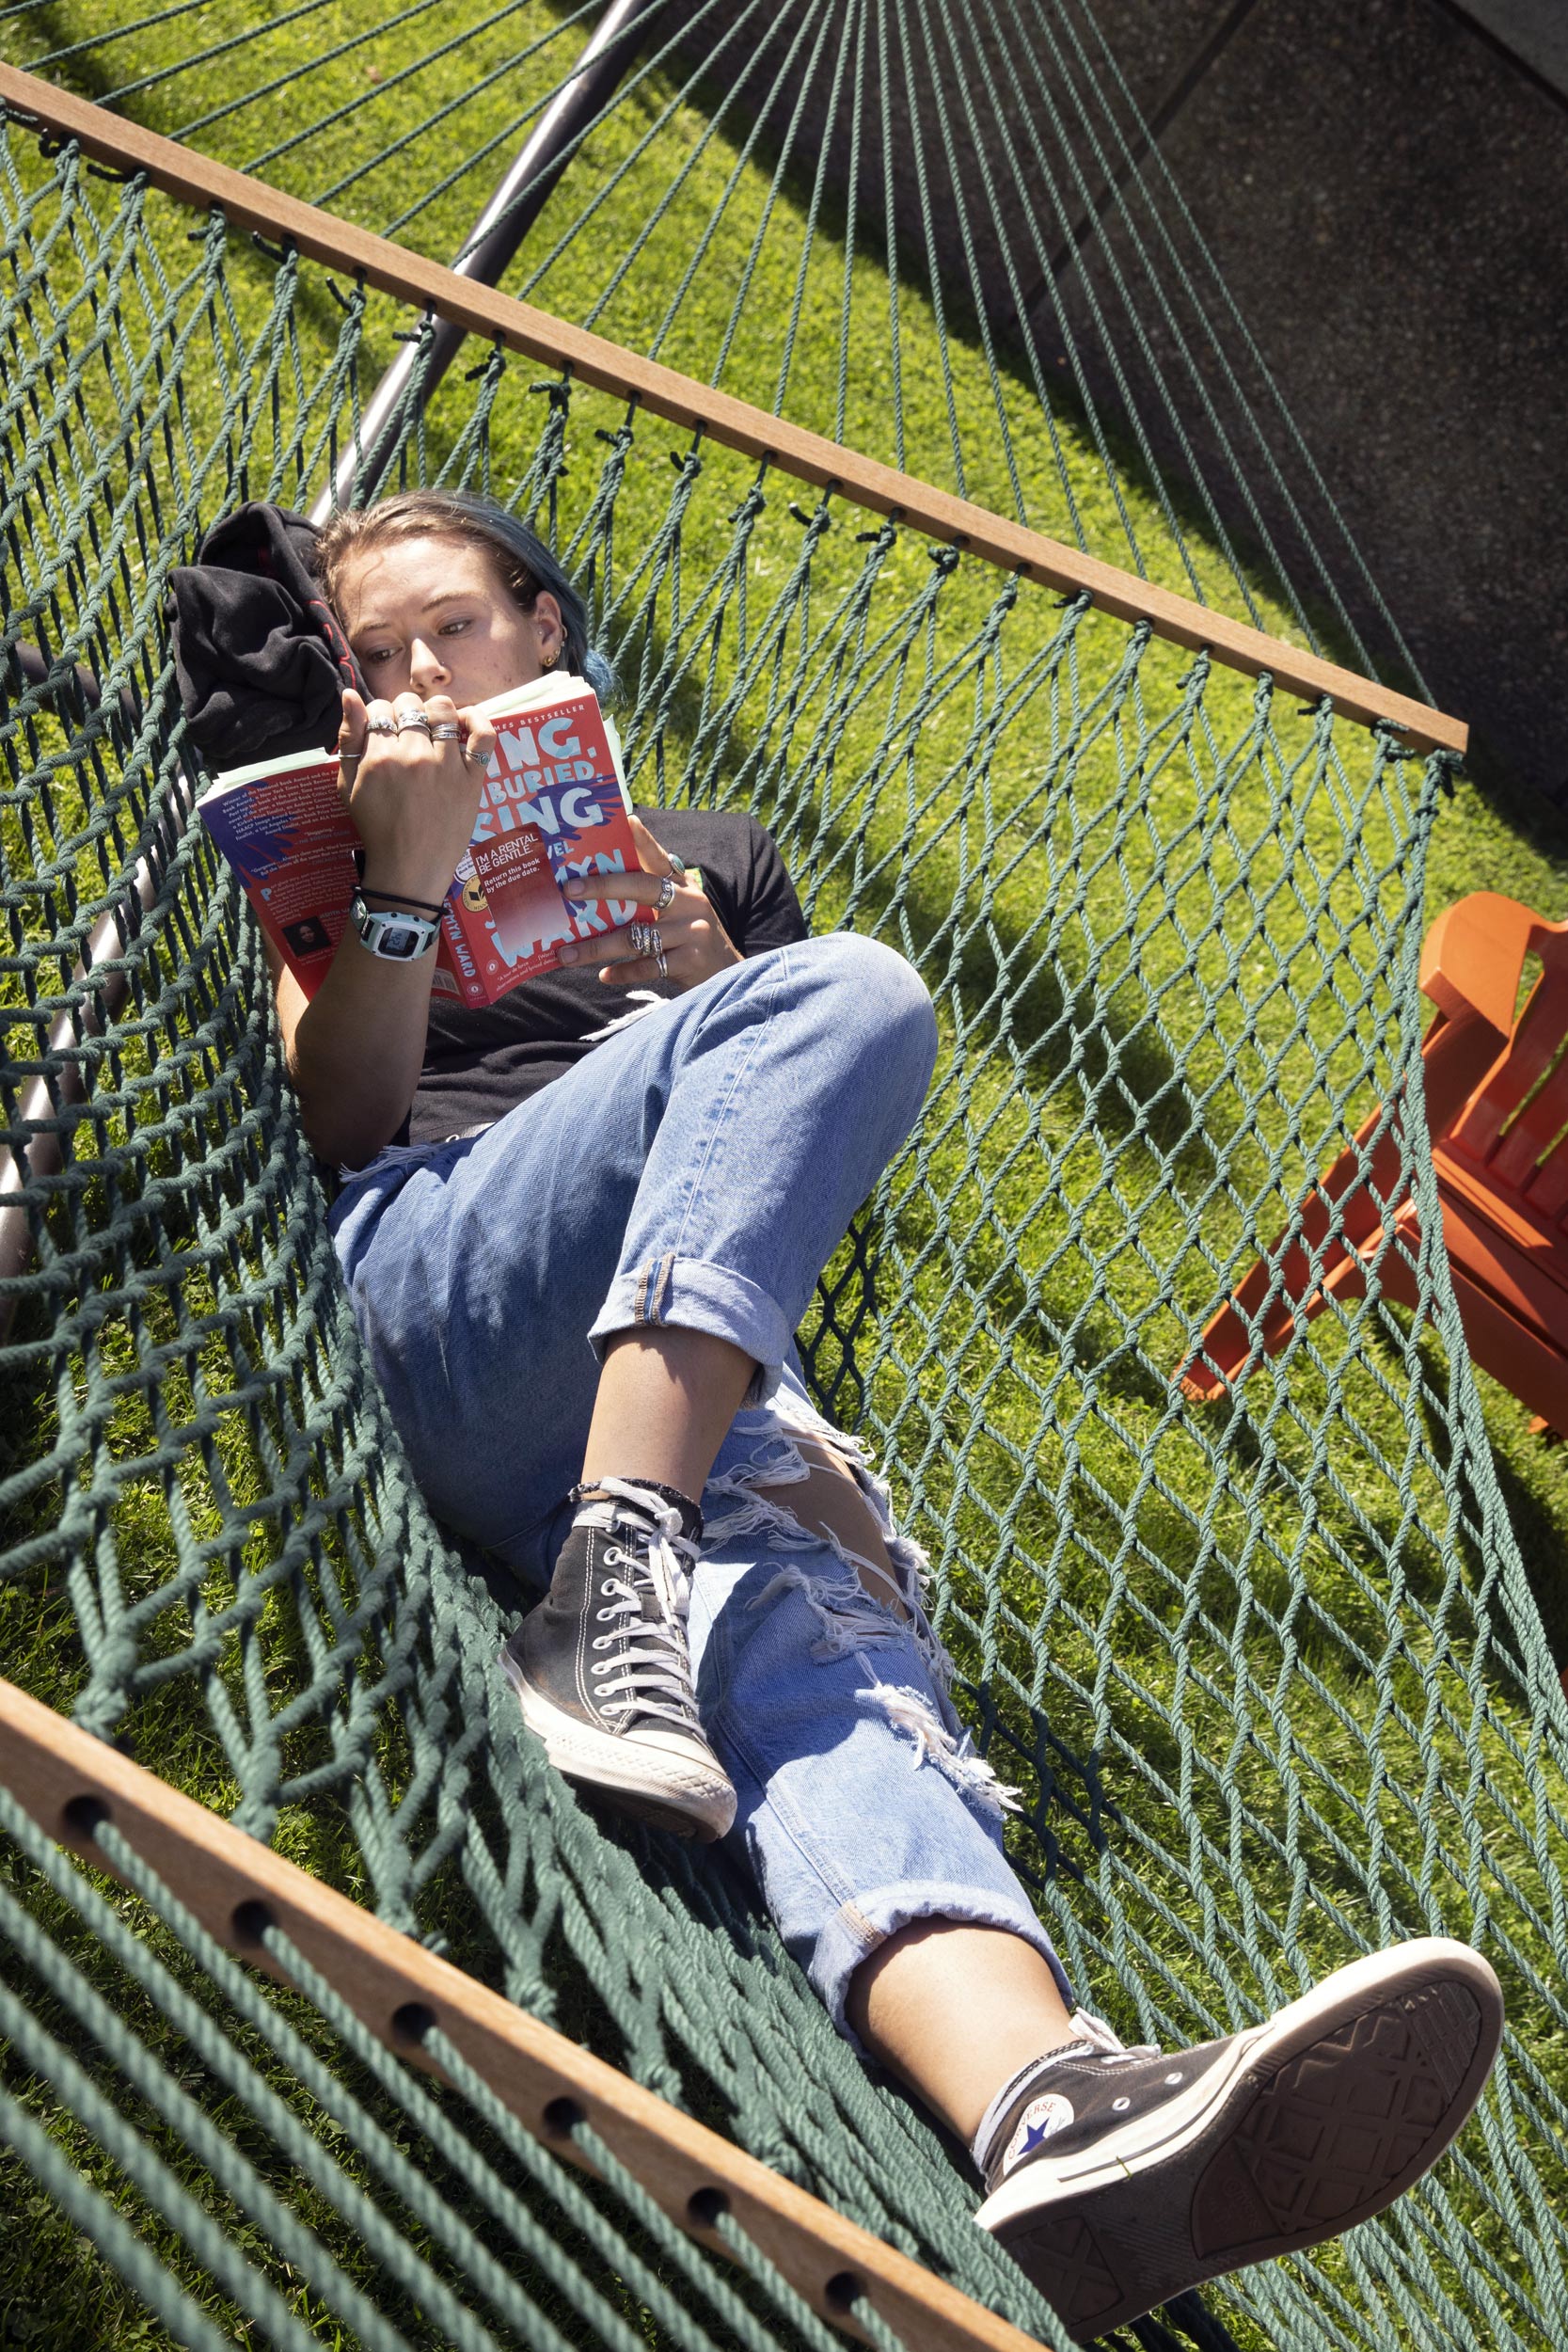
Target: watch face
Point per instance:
(402, 938)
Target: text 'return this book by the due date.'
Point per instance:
(553, 810)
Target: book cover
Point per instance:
(553, 809)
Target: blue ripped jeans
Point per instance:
(700, 1167)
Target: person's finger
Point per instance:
(647, 889)
(447, 730)
(611, 946)
(481, 743)
(654, 859)
(378, 715)
(409, 713)
(351, 732)
(620, 946)
(353, 736)
(691, 944)
(631, 971)
(645, 973)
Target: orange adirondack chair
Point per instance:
(1497, 1091)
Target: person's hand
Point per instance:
(687, 943)
(412, 792)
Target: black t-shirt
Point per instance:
(480, 1061)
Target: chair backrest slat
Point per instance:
(1515, 1118)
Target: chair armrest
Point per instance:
(1472, 959)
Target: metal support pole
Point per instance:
(493, 241)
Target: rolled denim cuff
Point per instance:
(861, 1927)
(699, 1296)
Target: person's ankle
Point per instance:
(985, 2148)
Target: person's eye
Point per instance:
(455, 627)
(374, 655)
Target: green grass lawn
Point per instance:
(1226, 1655)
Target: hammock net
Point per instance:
(1265, 1674)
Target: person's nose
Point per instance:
(427, 672)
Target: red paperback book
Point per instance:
(553, 809)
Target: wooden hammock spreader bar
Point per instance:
(734, 423)
(67, 1781)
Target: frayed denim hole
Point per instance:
(751, 1513)
(951, 1755)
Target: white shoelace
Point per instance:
(1087, 2027)
(655, 1676)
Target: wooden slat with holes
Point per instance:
(60, 1775)
(734, 423)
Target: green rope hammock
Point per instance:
(1266, 1674)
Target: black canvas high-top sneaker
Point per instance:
(601, 1668)
(1119, 2177)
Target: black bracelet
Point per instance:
(402, 899)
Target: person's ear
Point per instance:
(549, 627)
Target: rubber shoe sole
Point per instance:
(1310, 2123)
(688, 1797)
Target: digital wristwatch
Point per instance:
(394, 932)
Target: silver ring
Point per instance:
(666, 892)
(382, 726)
(410, 724)
(644, 938)
(447, 731)
(663, 961)
(475, 757)
(677, 866)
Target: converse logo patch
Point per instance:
(1043, 2116)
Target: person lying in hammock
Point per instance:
(578, 1246)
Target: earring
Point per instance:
(547, 661)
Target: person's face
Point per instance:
(432, 615)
